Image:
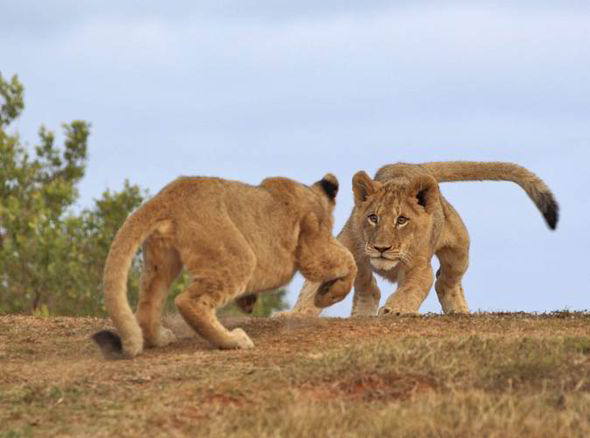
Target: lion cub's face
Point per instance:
(394, 219)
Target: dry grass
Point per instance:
(480, 375)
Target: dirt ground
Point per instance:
(483, 373)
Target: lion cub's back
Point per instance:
(205, 208)
(252, 209)
(198, 194)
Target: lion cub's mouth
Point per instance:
(383, 264)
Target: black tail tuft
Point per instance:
(109, 343)
(549, 208)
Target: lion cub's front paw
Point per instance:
(282, 314)
(385, 310)
(331, 292)
(388, 311)
(241, 339)
(365, 307)
(297, 314)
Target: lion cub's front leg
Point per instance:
(335, 270)
(305, 305)
(329, 273)
(414, 284)
(366, 296)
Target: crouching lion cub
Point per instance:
(232, 238)
(400, 221)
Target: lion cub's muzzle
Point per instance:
(382, 257)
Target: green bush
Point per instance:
(52, 254)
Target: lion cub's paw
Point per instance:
(362, 313)
(332, 291)
(385, 310)
(165, 337)
(241, 339)
(388, 311)
(296, 314)
(365, 308)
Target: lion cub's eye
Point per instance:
(373, 218)
(402, 220)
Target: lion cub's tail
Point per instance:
(136, 228)
(475, 171)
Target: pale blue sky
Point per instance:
(248, 89)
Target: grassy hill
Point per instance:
(479, 375)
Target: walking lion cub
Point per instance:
(400, 221)
(232, 238)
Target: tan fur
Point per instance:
(232, 238)
(433, 228)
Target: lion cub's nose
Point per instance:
(382, 249)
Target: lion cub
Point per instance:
(232, 238)
(400, 221)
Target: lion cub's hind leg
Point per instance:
(453, 265)
(216, 278)
(197, 305)
(161, 266)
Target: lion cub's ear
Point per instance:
(363, 186)
(424, 191)
(329, 185)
